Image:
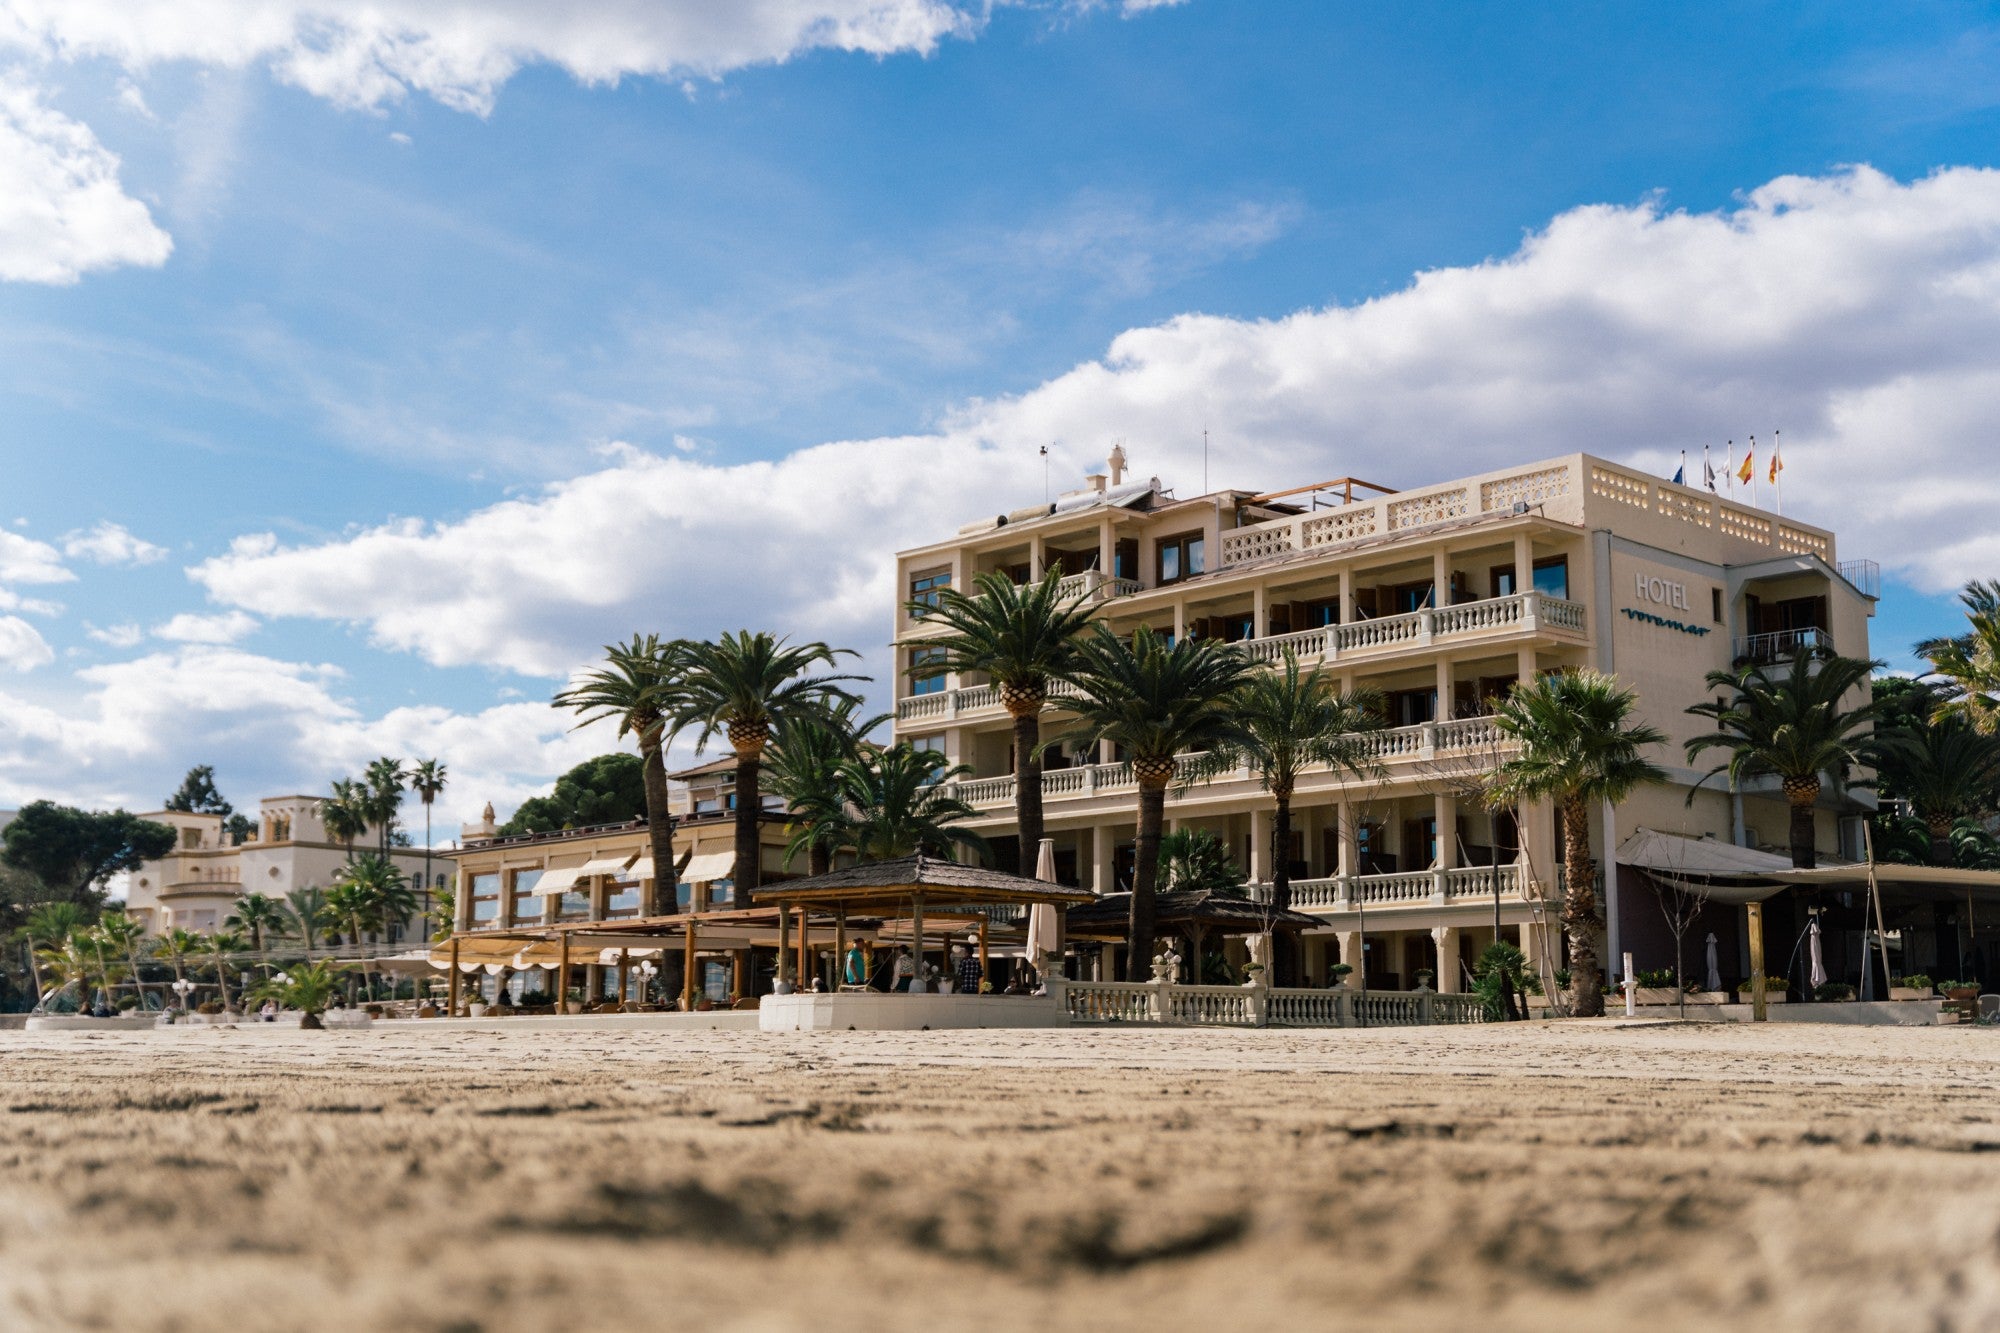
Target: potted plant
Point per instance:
(1774, 990)
(573, 1000)
(476, 1006)
(1960, 990)
(1424, 977)
(1655, 986)
(305, 989)
(1916, 987)
(1337, 975)
(1833, 992)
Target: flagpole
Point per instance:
(1753, 473)
(1777, 473)
(1730, 472)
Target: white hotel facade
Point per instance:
(1440, 598)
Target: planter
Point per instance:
(1909, 992)
(1962, 993)
(1653, 995)
(573, 1006)
(1770, 997)
(475, 1011)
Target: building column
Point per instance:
(1444, 808)
(1034, 559)
(1260, 624)
(1441, 578)
(1260, 867)
(1350, 953)
(1349, 838)
(1447, 705)
(1446, 939)
(1536, 821)
(1180, 619)
(1100, 860)
(1347, 595)
(1524, 664)
(1107, 549)
(1524, 562)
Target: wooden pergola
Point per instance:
(904, 888)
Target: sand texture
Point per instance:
(1533, 1177)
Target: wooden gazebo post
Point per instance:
(624, 975)
(784, 937)
(687, 969)
(984, 921)
(805, 950)
(451, 1003)
(839, 946)
(562, 974)
(917, 936)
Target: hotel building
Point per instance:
(1440, 598)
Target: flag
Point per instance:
(1707, 469)
(1680, 473)
(1748, 471)
(1777, 463)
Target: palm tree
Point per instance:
(121, 934)
(91, 940)
(358, 899)
(49, 925)
(71, 964)
(1795, 728)
(260, 916)
(383, 785)
(1293, 720)
(901, 804)
(1579, 744)
(1969, 663)
(1947, 771)
(746, 685)
(1194, 859)
(306, 988)
(1024, 637)
(803, 770)
(638, 688)
(395, 901)
(306, 915)
(345, 814)
(177, 945)
(1157, 702)
(219, 945)
(427, 780)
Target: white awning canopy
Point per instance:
(708, 867)
(605, 865)
(557, 881)
(1727, 873)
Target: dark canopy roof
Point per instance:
(1181, 908)
(936, 881)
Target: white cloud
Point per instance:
(117, 636)
(110, 544)
(22, 648)
(25, 560)
(187, 627)
(270, 727)
(1852, 311)
(63, 212)
(364, 53)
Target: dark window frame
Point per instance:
(1190, 552)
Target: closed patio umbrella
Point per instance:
(1043, 938)
(1714, 979)
(1817, 976)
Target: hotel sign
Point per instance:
(1667, 593)
(1633, 613)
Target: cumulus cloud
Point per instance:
(110, 544)
(25, 560)
(270, 727)
(1853, 311)
(187, 627)
(116, 636)
(22, 648)
(364, 53)
(63, 212)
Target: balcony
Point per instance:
(1779, 646)
(1412, 888)
(1093, 585)
(1423, 742)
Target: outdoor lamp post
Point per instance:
(647, 970)
(183, 987)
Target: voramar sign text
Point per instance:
(1633, 613)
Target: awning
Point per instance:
(707, 867)
(556, 881)
(605, 865)
(1698, 857)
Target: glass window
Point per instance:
(527, 908)
(575, 904)
(935, 743)
(485, 899)
(1552, 577)
(926, 670)
(715, 981)
(1503, 581)
(621, 898)
(1182, 557)
(927, 590)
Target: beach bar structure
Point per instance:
(908, 898)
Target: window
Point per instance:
(934, 744)
(927, 670)
(928, 590)
(1182, 557)
(1125, 559)
(1409, 708)
(575, 904)
(1407, 597)
(485, 900)
(1552, 576)
(1715, 604)
(1503, 581)
(527, 907)
(621, 898)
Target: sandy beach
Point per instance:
(1513, 1177)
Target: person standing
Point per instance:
(906, 970)
(970, 973)
(854, 969)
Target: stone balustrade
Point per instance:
(1402, 889)
(1169, 1004)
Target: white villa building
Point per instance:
(1440, 598)
(197, 884)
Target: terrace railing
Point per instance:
(1401, 889)
(1169, 1004)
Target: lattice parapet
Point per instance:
(1609, 485)
(1797, 541)
(1529, 488)
(1341, 525)
(1737, 523)
(1437, 507)
(1255, 543)
(1696, 509)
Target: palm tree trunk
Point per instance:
(1940, 831)
(819, 859)
(749, 809)
(1803, 795)
(1285, 945)
(659, 826)
(1580, 911)
(222, 980)
(1145, 869)
(367, 974)
(35, 964)
(1028, 789)
(426, 899)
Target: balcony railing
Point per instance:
(1408, 888)
(1781, 645)
(1424, 741)
(1091, 585)
(1865, 575)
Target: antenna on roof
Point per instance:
(1045, 474)
(1204, 460)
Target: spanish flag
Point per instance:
(1777, 463)
(1749, 468)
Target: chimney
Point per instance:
(1117, 463)
(1095, 481)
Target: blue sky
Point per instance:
(436, 307)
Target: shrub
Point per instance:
(1832, 991)
(127, 1002)
(1949, 986)
(209, 1007)
(1655, 978)
(1917, 982)
(1777, 984)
